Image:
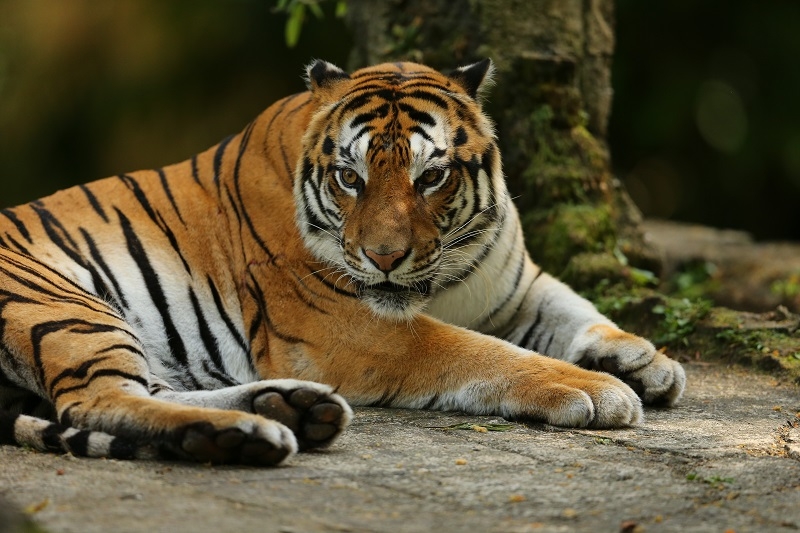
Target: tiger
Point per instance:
(354, 245)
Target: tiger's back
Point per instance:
(145, 308)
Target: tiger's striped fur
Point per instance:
(359, 235)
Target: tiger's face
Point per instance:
(399, 180)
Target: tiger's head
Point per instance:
(399, 185)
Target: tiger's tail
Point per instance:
(47, 436)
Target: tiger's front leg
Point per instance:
(555, 321)
(432, 365)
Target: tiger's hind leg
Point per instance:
(73, 349)
(314, 413)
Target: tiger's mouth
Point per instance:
(395, 301)
(422, 288)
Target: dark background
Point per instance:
(705, 125)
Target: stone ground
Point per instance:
(727, 458)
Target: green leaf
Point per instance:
(315, 10)
(341, 8)
(643, 277)
(294, 24)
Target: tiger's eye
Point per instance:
(431, 176)
(349, 176)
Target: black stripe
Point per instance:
(258, 295)
(514, 286)
(289, 167)
(526, 338)
(461, 136)
(51, 438)
(510, 328)
(17, 245)
(328, 145)
(103, 372)
(233, 205)
(195, 172)
(430, 403)
(225, 316)
(153, 285)
(418, 130)
(209, 342)
(218, 158)
(307, 301)
(220, 376)
(122, 449)
(78, 444)
(80, 297)
(66, 414)
(165, 185)
(156, 217)
(119, 296)
(7, 422)
(77, 289)
(388, 398)
(10, 215)
(93, 202)
(76, 373)
(416, 115)
(240, 196)
(74, 325)
(126, 347)
(300, 281)
(255, 325)
(61, 238)
(549, 342)
(428, 97)
(138, 193)
(332, 286)
(29, 284)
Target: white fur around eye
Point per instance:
(356, 150)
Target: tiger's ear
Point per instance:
(323, 75)
(475, 78)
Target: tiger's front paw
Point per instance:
(563, 394)
(654, 376)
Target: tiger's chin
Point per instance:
(395, 302)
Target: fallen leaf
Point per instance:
(469, 426)
(36, 507)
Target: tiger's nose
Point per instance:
(386, 262)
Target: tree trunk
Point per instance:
(551, 106)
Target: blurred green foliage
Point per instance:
(94, 88)
(705, 125)
(706, 119)
(296, 15)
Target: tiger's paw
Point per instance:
(565, 395)
(249, 441)
(314, 413)
(656, 378)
